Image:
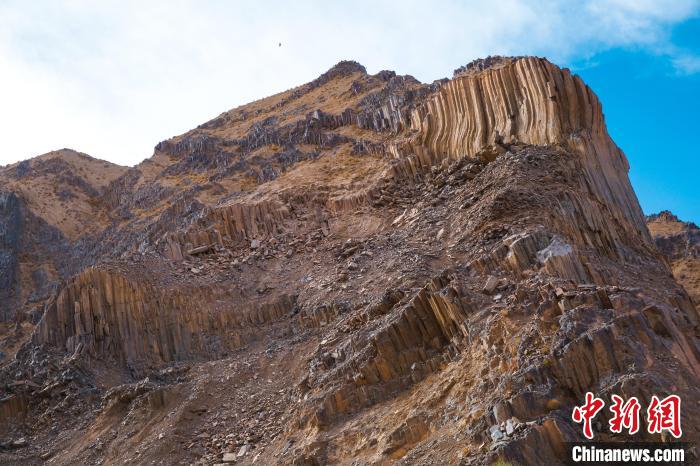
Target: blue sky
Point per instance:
(652, 110)
(112, 78)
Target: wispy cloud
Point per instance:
(112, 78)
(687, 64)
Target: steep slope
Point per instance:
(680, 243)
(46, 204)
(363, 269)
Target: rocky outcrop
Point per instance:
(674, 238)
(679, 242)
(232, 223)
(136, 324)
(406, 346)
(531, 101)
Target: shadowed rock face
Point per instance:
(28, 248)
(10, 232)
(361, 269)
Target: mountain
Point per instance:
(680, 242)
(46, 205)
(364, 269)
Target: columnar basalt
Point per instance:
(106, 315)
(405, 347)
(363, 269)
(527, 100)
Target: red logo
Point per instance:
(624, 415)
(662, 415)
(665, 415)
(587, 412)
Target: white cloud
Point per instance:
(113, 78)
(687, 64)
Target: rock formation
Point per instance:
(362, 270)
(680, 244)
(10, 228)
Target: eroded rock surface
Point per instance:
(361, 270)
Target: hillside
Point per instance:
(364, 269)
(680, 242)
(47, 205)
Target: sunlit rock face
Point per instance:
(679, 242)
(364, 269)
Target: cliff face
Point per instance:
(361, 269)
(529, 101)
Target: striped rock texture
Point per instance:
(364, 269)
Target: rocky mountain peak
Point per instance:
(341, 69)
(663, 216)
(666, 216)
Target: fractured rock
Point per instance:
(276, 285)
